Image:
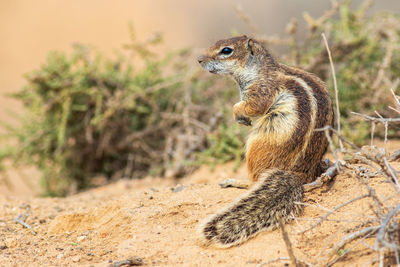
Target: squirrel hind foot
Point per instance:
(232, 182)
(274, 195)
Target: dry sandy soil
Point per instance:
(156, 220)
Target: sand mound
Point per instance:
(157, 220)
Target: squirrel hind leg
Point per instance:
(274, 195)
(232, 182)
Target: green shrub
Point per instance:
(365, 55)
(226, 144)
(87, 116)
(81, 113)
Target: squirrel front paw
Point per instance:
(238, 114)
(243, 120)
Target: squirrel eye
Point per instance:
(226, 51)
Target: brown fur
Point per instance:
(283, 151)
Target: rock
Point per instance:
(76, 258)
(132, 261)
(135, 261)
(178, 188)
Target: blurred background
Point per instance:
(30, 29)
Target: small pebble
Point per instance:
(76, 258)
(58, 209)
(178, 188)
(136, 261)
(80, 238)
(132, 261)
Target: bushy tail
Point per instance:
(274, 195)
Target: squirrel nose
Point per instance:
(200, 59)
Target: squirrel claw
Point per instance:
(244, 120)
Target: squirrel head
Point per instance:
(230, 55)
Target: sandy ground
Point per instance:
(156, 220)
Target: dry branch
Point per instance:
(328, 175)
(375, 119)
(20, 221)
(394, 156)
(335, 87)
(345, 240)
(323, 218)
(382, 227)
(287, 242)
(273, 261)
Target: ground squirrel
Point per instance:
(283, 150)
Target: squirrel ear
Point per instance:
(250, 46)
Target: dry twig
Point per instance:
(382, 227)
(287, 242)
(323, 218)
(273, 261)
(394, 156)
(328, 175)
(345, 240)
(246, 19)
(20, 221)
(375, 119)
(335, 87)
